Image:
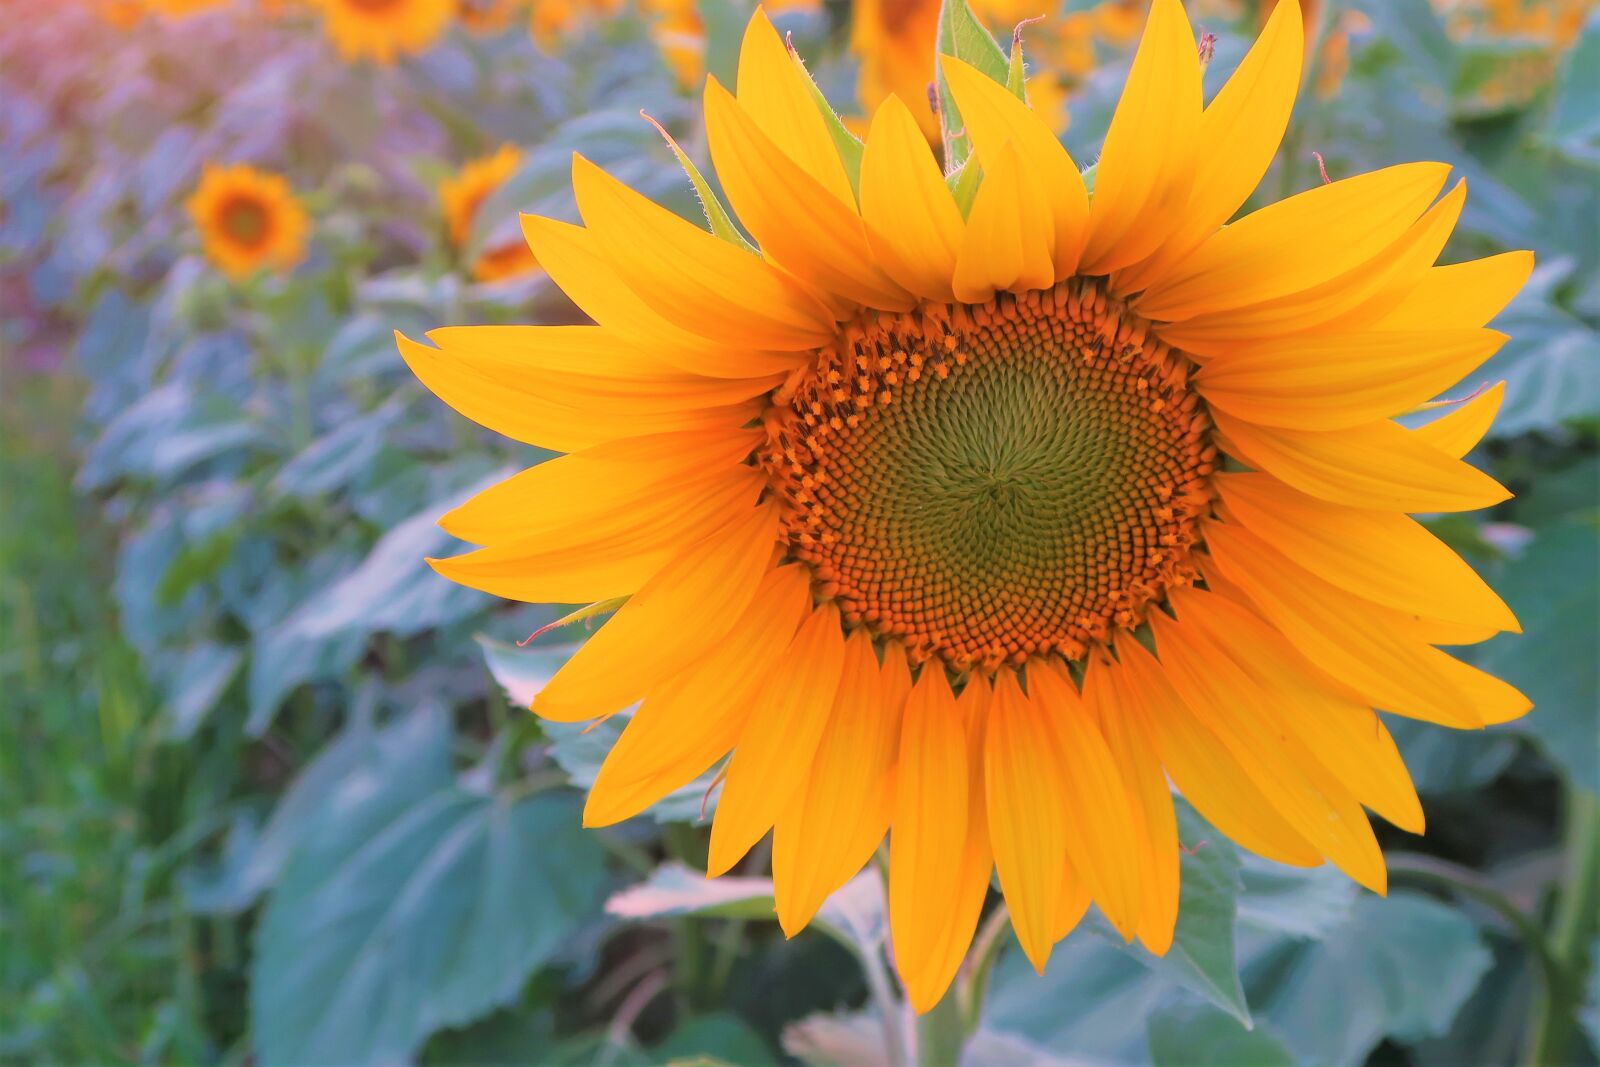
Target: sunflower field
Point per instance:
(846, 532)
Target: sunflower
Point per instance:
(460, 198)
(896, 42)
(120, 14)
(183, 8)
(381, 30)
(487, 16)
(248, 219)
(977, 525)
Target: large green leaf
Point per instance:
(1554, 587)
(1095, 983)
(1575, 118)
(400, 915)
(406, 761)
(1400, 968)
(1202, 1036)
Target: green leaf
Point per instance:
(398, 916)
(1574, 119)
(406, 760)
(1095, 983)
(1451, 761)
(1399, 968)
(1552, 586)
(1202, 1036)
(963, 36)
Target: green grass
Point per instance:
(95, 960)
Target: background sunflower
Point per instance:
(268, 787)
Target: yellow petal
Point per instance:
(598, 554)
(931, 815)
(912, 220)
(580, 488)
(690, 720)
(1380, 556)
(1072, 901)
(1007, 241)
(676, 618)
(992, 116)
(1245, 716)
(1378, 465)
(522, 409)
(773, 89)
(1203, 769)
(1458, 431)
(1460, 295)
(1356, 642)
(1100, 827)
(1027, 812)
(1146, 168)
(1351, 301)
(1334, 731)
(692, 277)
(573, 258)
(773, 756)
(1296, 243)
(841, 812)
(1240, 130)
(798, 222)
(1155, 824)
(1333, 381)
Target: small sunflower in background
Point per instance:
(461, 196)
(488, 16)
(121, 14)
(183, 8)
(979, 521)
(248, 219)
(383, 30)
(548, 19)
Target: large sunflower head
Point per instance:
(383, 30)
(975, 511)
(248, 219)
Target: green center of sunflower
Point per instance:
(989, 482)
(244, 219)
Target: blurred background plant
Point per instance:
(267, 793)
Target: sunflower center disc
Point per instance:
(244, 220)
(989, 482)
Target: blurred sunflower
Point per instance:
(896, 41)
(978, 524)
(460, 198)
(382, 30)
(120, 14)
(182, 8)
(248, 219)
(487, 16)
(548, 19)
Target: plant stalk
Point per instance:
(941, 1032)
(1573, 927)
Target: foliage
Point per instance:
(266, 790)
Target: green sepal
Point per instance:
(964, 184)
(963, 36)
(847, 143)
(717, 215)
(1016, 74)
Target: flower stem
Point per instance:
(941, 1032)
(1572, 929)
